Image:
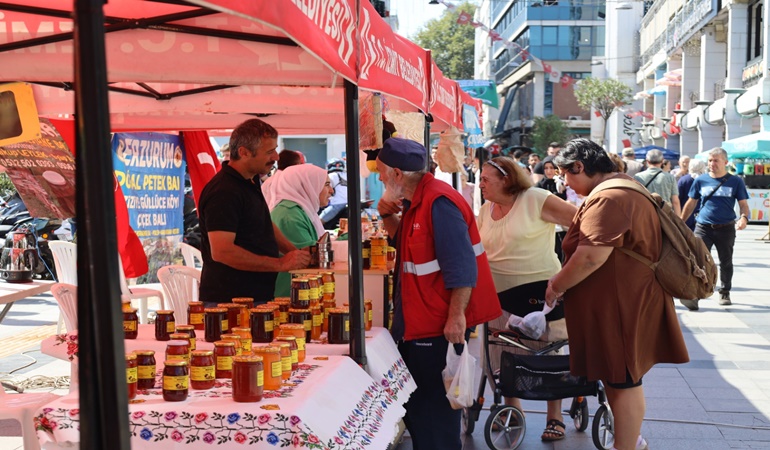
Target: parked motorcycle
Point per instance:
(34, 233)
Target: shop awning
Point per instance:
(755, 145)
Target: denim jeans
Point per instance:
(724, 240)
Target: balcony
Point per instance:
(686, 22)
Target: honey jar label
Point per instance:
(300, 344)
(308, 324)
(146, 372)
(286, 364)
(225, 324)
(129, 325)
(225, 362)
(202, 373)
(284, 316)
(192, 343)
(347, 325)
(131, 375)
(303, 294)
(171, 383)
(318, 319)
(371, 315)
(365, 252)
(246, 344)
(269, 326)
(178, 358)
(328, 288)
(313, 293)
(276, 369)
(196, 319)
(170, 327)
(261, 378)
(295, 356)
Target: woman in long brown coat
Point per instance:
(619, 319)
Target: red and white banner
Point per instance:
(444, 105)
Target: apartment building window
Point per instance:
(755, 31)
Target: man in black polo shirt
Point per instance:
(240, 244)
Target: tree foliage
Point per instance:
(450, 43)
(546, 130)
(603, 96)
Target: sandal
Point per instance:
(551, 433)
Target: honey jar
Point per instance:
(190, 331)
(271, 359)
(248, 303)
(379, 253)
(314, 290)
(145, 362)
(328, 304)
(236, 339)
(329, 286)
(176, 381)
(283, 309)
(316, 323)
(178, 349)
(202, 369)
(233, 316)
(262, 324)
(125, 305)
(213, 318)
(130, 323)
(368, 314)
(298, 331)
(195, 311)
(164, 324)
(248, 378)
(131, 375)
(224, 351)
(300, 293)
(245, 335)
(303, 317)
(293, 348)
(285, 348)
(339, 326)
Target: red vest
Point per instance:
(424, 299)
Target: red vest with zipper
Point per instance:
(424, 299)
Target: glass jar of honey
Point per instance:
(298, 331)
(183, 337)
(271, 360)
(176, 381)
(300, 293)
(317, 322)
(329, 286)
(262, 324)
(236, 339)
(245, 334)
(213, 318)
(202, 369)
(328, 304)
(224, 351)
(379, 253)
(314, 291)
(125, 305)
(195, 311)
(130, 323)
(248, 378)
(294, 349)
(145, 370)
(233, 316)
(303, 317)
(368, 314)
(285, 349)
(178, 349)
(283, 309)
(248, 303)
(339, 326)
(190, 331)
(131, 375)
(164, 324)
(276, 313)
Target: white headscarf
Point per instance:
(302, 184)
(268, 189)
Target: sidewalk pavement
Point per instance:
(719, 400)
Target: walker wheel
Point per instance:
(505, 428)
(603, 432)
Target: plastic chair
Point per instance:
(181, 285)
(65, 258)
(22, 407)
(192, 256)
(139, 292)
(67, 297)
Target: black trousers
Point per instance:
(431, 421)
(724, 240)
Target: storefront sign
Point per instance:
(150, 169)
(759, 205)
(43, 171)
(475, 137)
(753, 71)
(484, 90)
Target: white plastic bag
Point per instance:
(458, 377)
(533, 325)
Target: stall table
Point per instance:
(13, 292)
(328, 403)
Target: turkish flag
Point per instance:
(464, 18)
(129, 246)
(597, 114)
(546, 68)
(626, 143)
(202, 161)
(495, 36)
(665, 135)
(566, 80)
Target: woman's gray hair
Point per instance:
(697, 167)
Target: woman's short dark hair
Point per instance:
(593, 157)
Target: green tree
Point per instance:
(546, 130)
(450, 43)
(6, 186)
(603, 96)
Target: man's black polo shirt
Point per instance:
(231, 203)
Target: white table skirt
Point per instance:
(329, 403)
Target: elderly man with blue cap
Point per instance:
(443, 284)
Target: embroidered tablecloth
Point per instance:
(329, 403)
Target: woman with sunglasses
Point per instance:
(517, 229)
(620, 320)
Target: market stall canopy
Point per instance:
(444, 104)
(755, 145)
(641, 152)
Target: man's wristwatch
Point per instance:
(744, 216)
